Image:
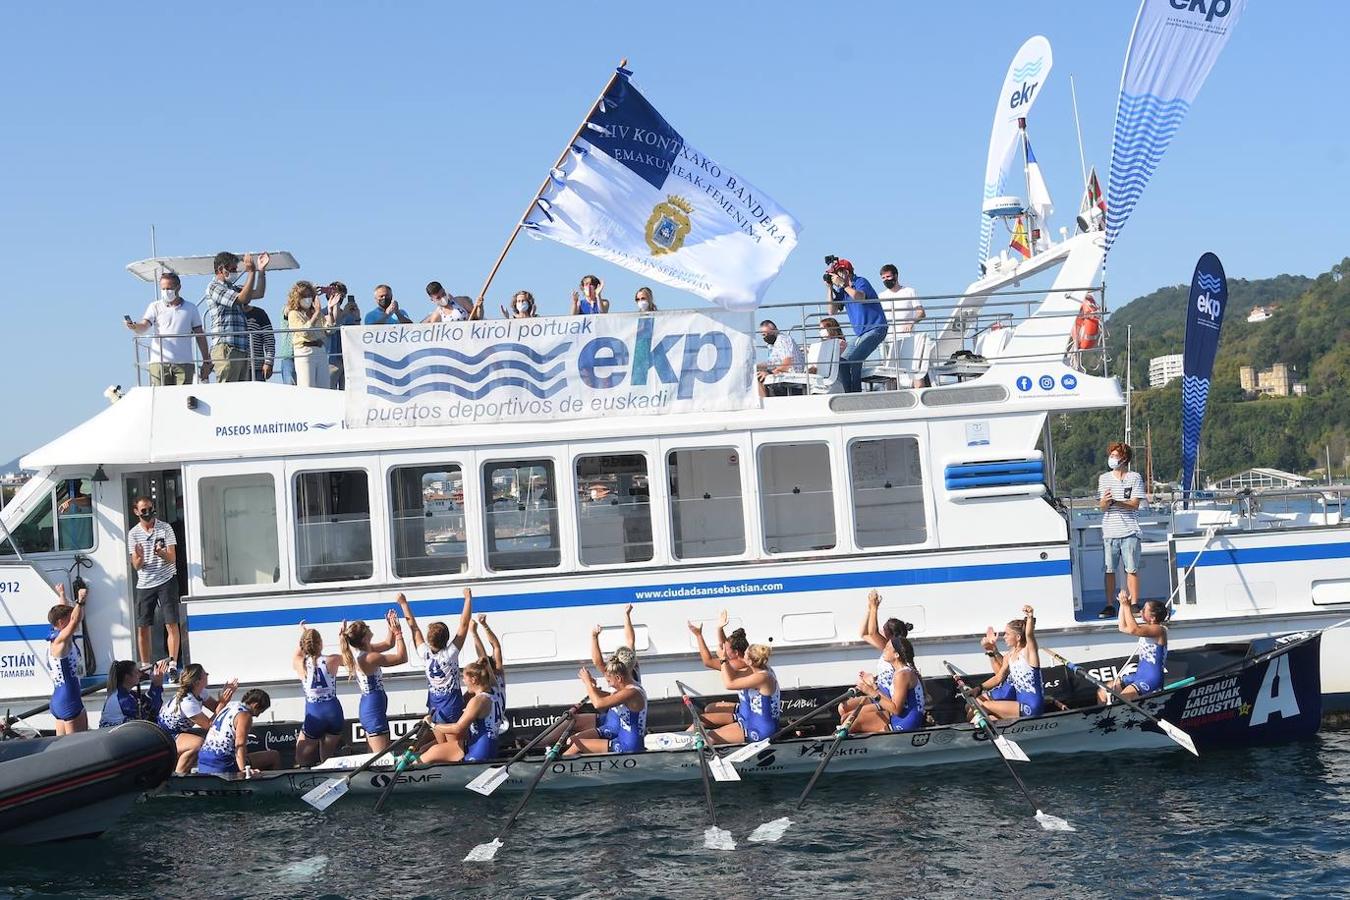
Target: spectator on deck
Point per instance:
(855, 296)
(154, 556)
(902, 303)
(522, 306)
(386, 311)
(262, 343)
(448, 308)
(176, 325)
(227, 303)
(285, 359)
(590, 301)
(644, 301)
(306, 318)
(1120, 493)
(342, 311)
(785, 356)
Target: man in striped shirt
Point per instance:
(227, 304)
(1120, 493)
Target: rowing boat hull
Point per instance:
(1271, 698)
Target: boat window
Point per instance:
(887, 492)
(796, 497)
(706, 518)
(239, 530)
(332, 526)
(63, 520)
(614, 514)
(520, 500)
(36, 533)
(427, 512)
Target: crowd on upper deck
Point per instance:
(239, 340)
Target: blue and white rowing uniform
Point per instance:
(374, 701)
(323, 711)
(444, 698)
(480, 744)
(1148, 677)
(65, 673)
(123, 706)
(625, 728)
(757, 713)
(176, 716)
(217, 755)
(1026, 682)
(499, 703)
(910, 717)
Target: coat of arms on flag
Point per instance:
(669, 225)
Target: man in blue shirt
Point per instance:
(386, 311)
(854, 295)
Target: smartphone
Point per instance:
(127, 319)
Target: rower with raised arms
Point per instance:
(63, 663)
(366, 665)
(760, 704)
(625, 713)
(321, 733)
(731, 648)
(1151, 649)
(1021, 669)
(473, 736)
(439, 655)
(626, 654)
(498, 662)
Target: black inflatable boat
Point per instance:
(77, 786)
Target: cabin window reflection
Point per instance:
(796, 497)
(239, 530)
(427, 515)
(520, 500)
(614, 518)
(706, 517)
(332, 526)
(887, 492)
(62, 520)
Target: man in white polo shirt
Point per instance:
(154, 555)
(176, 324)
(902, 303)
(1120, 493)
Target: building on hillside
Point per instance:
(1259, 479)
(1260, 313)
(1162, 369)
(1277, 381)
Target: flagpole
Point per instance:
(623, 64)
(1078, 127)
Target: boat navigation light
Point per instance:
(99, 476)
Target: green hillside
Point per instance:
(1310, 330)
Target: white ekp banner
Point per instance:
(521, 370)
(633, 191)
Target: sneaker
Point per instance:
(171, 677)
(1107, 613)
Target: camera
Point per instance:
(829, 261)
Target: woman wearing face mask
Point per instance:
(589, 302)
(522, 306)
(306, 319)
(643, 300)
(1120, 493)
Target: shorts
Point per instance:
(323, 718)
(445, 708)
(67, 704)
(1127, 550)
(1030, 706)
(375, 713)
(161, 597)
(1004, 691)
(1140, 684)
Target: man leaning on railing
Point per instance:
(176, 324)
(228, 303)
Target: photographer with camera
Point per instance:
(854, 295)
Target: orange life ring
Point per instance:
(1087, 327)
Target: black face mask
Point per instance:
(147, 515)
(383, 302)
(891, 283)
(770, 338)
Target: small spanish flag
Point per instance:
(1019, 239)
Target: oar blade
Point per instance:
(326, 794)
(489, 781)
(1178, 735)
(484, 852)
(769, 832)
(721, 769)
(1053, 823)
(1010, 749)
(749, 751)
(715, 838)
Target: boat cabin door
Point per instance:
(168, 490)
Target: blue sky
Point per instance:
(399, 142)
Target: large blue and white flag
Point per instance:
(1172, 48)
(633, 191)
(1204, 319)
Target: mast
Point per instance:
(1129, 385)
(1026, 174)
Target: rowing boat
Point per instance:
(1270, 695)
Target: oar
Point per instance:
(772, 831)
(486, 851)
(1047, 821)
(326, 794)
(1006, 746)
(714, 837)
(493, 778)
(719, 767)
(751, 750)
(39, 710)
(1167, 727)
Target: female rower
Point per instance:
(498, 670)
(626, 654)
(731, 649)
(63, 663)
(365, 666)
(625, 708)
(760, 704)
(186, 715)
(895, 699)
(1152, 648)
(225, 749)
(125, 701)
(879, 637)
(321, 734)
(1021, 668)
(473, 736)
(440, 657)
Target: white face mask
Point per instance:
(168, 295)
(1115, 462)
(824, 335)
(522, 306)
(644, 305)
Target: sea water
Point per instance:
(1265, 822)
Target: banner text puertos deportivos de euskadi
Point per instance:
(521, 370)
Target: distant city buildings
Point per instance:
(1162, 369)
(1277, 381)
(1260, 313)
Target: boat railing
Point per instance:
(960, 344)
(1232, 510)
